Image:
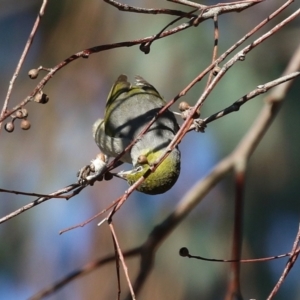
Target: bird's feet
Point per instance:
(92, 172)
(199, 125)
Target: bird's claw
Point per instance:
(83, 173)
(91, 172)
(199, 125)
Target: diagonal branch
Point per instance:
(294, 255)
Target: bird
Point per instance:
(129, 108)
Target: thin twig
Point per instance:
(230, 50)
(189, 3)
(184, 252)
(117, 267)
(233, 288)
(121, 256)
(22, 58)
(145, 47)
(240, 56)
(261, 89)
(215, 49)
(92, 218)
(86, 269)
(32, 194)
(294, 255)
(154, 11)
(40, 200)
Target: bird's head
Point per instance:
(159, 181)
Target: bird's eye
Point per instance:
(142, 159)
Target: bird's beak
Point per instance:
(122, 174)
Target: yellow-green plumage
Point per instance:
(129, 109)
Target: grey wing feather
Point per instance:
(110, 146)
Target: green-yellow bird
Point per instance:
(129, 109)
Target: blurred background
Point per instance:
(48, 156)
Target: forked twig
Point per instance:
(261, 89)
(22, 58)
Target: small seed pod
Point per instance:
(142, 160)
(184, 115)
(45, 99)
(216, 70)
(145, 47)
(25, 124)
(184, 251)
(40, 97)
(9, 127)
(24, 112)
(187, 112)
(33, 73)
(21, 113)
(183, 106)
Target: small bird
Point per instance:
(129, 109)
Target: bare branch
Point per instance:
(22, 58)
(294, 255)
(261, 89)
(154, 11)
(86, 269)
(121, 256)
(184, 252)
(189, 3)
(40, 200)
(31, 194)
